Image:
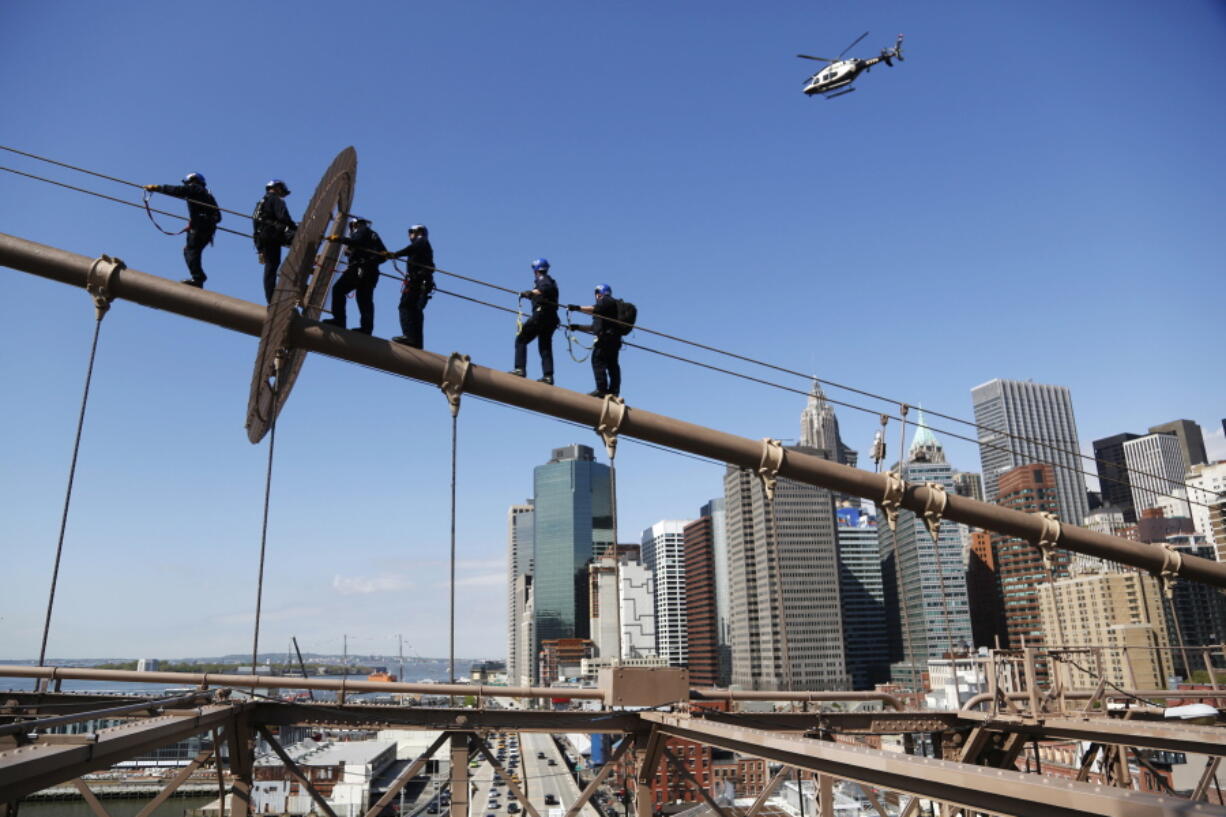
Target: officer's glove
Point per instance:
(260, 256)
(152, 188)
(334, 238)
(573, 307)
(574, 327)
(527, 293)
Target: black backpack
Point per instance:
(627, 314)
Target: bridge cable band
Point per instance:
(1049, 536)
(1172, 563)
(98, 281)
(455, 375)
(769, 465)
(934, 508)
(612, 414)
(891, 497)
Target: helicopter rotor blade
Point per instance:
(819, 59)
(854, 44)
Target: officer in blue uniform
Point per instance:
(608, 346)
(541, 324)
(202, 217)
(417, 286)
(273, 229)
(366, 253)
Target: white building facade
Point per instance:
(664, 554)
(1156, 468)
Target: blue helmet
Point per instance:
(195, 178)
(540, 265)
(275, 183)
(604, 289)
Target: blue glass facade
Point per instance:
(572, 523)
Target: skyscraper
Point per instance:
(664, 554)
(636, 597)
(786, 627)
(968, 484)
(819, 428)
(1113, 474)
(1191, 439)
(572, 523)
(863, 598)
(519, 567)
(1157, 468)
(706, 597)
(1040, 420)
(930, 608)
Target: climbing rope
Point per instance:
(149, 212)
(98, 283)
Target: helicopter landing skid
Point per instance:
(840, 93)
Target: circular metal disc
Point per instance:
(302, 282)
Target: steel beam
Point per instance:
(694, 784)
(996, 790)
(405, 776)
(509, 778)
(408, 717)
(27, 769)
(247, 317)
(173, 784)
(590, 788)
(206, 679)
(1173, 737)
(459, 774)
(91, 799)
(297, 773)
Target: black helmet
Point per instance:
(419, 228)
(355, 221)
(275, 183)
(195, 178)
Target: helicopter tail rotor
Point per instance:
(898, 48)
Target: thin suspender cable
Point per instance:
(617, 558)
(259, 585)
(451, 648)
(72, 472)
(909, 646)
(777, 547)
(706, 347)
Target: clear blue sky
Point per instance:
(1035, 193)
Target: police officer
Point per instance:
(608, 344)
(273, 229)
(417, 286)
(366, 253)
(202, 217)
(541, 324)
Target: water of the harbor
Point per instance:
(119, 807)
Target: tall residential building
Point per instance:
(1191, 439)
(929, 608)
(664, 554)
(1112, 610)
(792, 613)
(1156, 467)
(636, 597)
(572, 523)
(819, 428)
(968, 484)
(519, 565)
(863, 598)
(706, 598)
(1206, 489)
(1019, 564)
(1113, 479)
(1022, 423)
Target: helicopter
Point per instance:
(840, 73)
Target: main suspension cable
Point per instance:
(716, 350)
